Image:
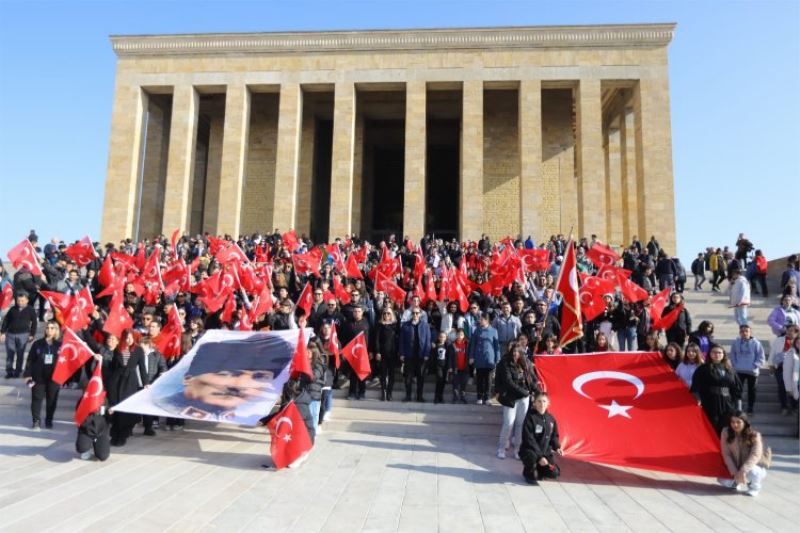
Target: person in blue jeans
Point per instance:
(17, 330)
(483, 352)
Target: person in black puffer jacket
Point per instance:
(385, 349)
(514, 383)
(540, 442)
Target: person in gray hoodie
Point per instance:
(507, 325)
(747, 356)
(484, 352)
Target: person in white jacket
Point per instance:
(740, 296)
(782, 346)
(791, 374)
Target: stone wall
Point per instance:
(500, 163)
(559, 195)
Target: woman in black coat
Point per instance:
(385, 350)
(718, 387)
(679, 330)
(515, 383)
(123, 383)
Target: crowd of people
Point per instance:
(488, 334)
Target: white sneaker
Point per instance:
(728, 483)
(86, 455)
(326, 416)
(752, 492)
(501, 454)
(319, 430)
(479, 402)
(517, 457)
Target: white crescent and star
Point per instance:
(99, 381)
(614, 408)
(284, 420)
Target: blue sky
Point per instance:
(734, 69)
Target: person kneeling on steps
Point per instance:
(539, 442)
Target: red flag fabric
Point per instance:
(535, 260)
(307, 263)
(118, 319)
(94, 396)
(395, 292)
(306, 299)
(351, 267)
(300, 361)
(333, 345)
(6, 297)
(670, 318)
(173, 241)
(82, 252)
(357, 355)
(657, 305)
(567, 285)
(340, 292)
(168, 341)
(614, 274)
(602, 254)
(289, 438)
(106, 274)
(141, 259)
(629, 409)
(231, 254)
(632, 292)
(23, 255)
(228, 309)
(72, 355)
(215, 245)
(290, 240)
(591, 295)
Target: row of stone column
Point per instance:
(653, 200)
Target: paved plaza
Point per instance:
(377, 467)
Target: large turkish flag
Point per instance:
(629, 409)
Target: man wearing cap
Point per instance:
(17, 330)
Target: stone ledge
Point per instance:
(606, 36)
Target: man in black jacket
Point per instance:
(539, 442)
(17, 330)
(39, 374)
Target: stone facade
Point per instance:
(560, 128)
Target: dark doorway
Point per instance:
(443, 169)
(321, 187)
(383, 178)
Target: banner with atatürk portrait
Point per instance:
(227, 376)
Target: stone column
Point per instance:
(290, 109)
(415, 160)
(627, 128)
(471, 187)
(591, 166)
(305, 174)
(531, 182)
(614, 187)
(180, 161)
(124, 160)
(213, 173)
(654, 162)
(150, 205)
(234, 149)
(344, 112)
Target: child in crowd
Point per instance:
(459, 367)
(540, 442)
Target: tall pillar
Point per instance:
(234, 149)
(471, 187)
(305, 174)
(150, 206)
(531, 182)
(654, 162)
(290, 109)
(344, 112)
(615, 211)
(213, 173)
(180, 161)
(124, 160)
(416, 137)
(362, 211)
(591, 166)
(630, 220)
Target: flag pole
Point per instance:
(555, 289)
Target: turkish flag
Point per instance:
(602, 254)
(215, 245)
(173, 241)
(430, 288)
(23, 255)
(336, 255)
(228, 309)
(289, 438)
(340, 292)
(262, 304)
(106, 275)
(72, 355)
(140, 260)
(567, 285)
(591, 295)
(395, 292)
(614, 274)
(307, 263)
(356, 354)
(300, 362)
(118, 319)
(168, 341)
(94, 396)
(290, 240)
(351, 267)
(535, 260)
(632, 292)
(667, 320)
(306, 299)
(82, 252)
(6, 297)
(657, 305)
(333, 345)
(629, 409)
(231, 254)
(249, 279)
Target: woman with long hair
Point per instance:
(703, 337)
(385, 348)
(601, 342)
(124, 382)
(718, 387)
(692, 359)
(743, 453)
(682, 326)
(514, 384)
(673, 355)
